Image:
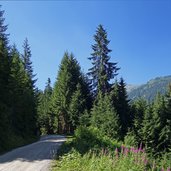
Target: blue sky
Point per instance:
(140, 34)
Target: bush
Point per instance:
(127, 159)
(92, 138)
(88, 139)
(91, 150)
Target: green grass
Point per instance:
(90, 150)
(93, 162)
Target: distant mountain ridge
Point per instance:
(149, 90)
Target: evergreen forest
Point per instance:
(77, 101)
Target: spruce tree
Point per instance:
(138, 110)
(65, 86)
(147, 131)
(104, 116)
(17, 82)
(123, 108)
(156, 132)
(121, 104)
(30, 95)
(26, 56)
(77, 107)
(167, 129)
(161, 125)
(3, 29)
(45, 116)
(4, 81)
(103, 70)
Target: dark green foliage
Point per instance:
(147, 133)
(86, 139)
(17, 98)
(69, 88)
(152, 124)
(104, 116)
(23, 109)
(168, 103)
(17, 83)
(64, 88)
(76, 107)
(103, 70)
(45, 115)
(156, 131)
(4, 80)
(26, 56)
(138, 110)
(121, 104)
(85, 119)
(30, 95)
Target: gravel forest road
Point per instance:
(32, 157)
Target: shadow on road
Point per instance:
(45, 149)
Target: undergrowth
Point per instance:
(91, 150)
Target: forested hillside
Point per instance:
(92, 104)
(149, 90)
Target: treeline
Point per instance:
(94, 99)
(18, 102)
(61, 108)
(77, 100)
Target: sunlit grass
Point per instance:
(85, 152)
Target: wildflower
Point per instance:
(122, 148)
(135, 150)
(144, 160)
(132, 149)
(126, 151)
(168, 169)
(116, 153)
(140, 148)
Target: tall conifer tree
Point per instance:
(4, 81)
(65, 86)
(45, 116)
(26, 56)
(30, 89)
(103, 70)
(69, 87)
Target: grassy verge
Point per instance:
(90, 150)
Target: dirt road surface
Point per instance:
(33, 157)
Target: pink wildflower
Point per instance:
(140, 148)
(122, 148)
(126, 151)
(116, 153)
(145, 161)
(132, 149)
(135, 151)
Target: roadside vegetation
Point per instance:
(90, 150)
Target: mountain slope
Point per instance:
(150, 89)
